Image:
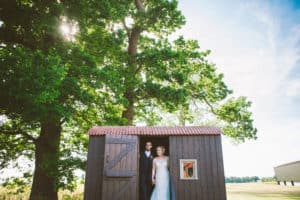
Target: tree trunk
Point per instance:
(129, 94)
(46, 163)
(129, 112)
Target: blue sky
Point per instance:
(256, 44)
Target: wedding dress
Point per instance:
(162, 180)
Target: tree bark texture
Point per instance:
(129, 94)
(46, 163)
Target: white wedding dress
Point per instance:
(162, 180)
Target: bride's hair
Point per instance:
(163, 149)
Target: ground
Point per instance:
(235, 191)
(261, 191)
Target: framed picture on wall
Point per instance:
(188, 169)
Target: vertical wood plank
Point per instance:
(88, 179)
(205, 165)
(125, 164)
(184, 184)
(179, 142)
(100, 151)
(192, 154)
(119, 165)
(215, 178)
(220, 168)
(110, 182)
(200, 167)
(197, 184)
(94, 169)
(105, 184)
(209, 168)
(173, 162)
(187, 149)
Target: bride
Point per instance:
(160, 176)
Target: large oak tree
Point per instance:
(123, 66)
(154, 69)
(47, 84)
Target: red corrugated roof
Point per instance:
(148, 130)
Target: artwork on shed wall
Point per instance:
(188, 169)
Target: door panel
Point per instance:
(121, 167)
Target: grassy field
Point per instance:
(240, 191)
(62, 195)
(262, 191)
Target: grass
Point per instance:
(235, 191)
(261, 191)
(6, 194)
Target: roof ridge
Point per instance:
(155, 130)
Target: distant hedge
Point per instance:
(246, 179)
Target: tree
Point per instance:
(47, 84)
(121, 67)
(154, 71)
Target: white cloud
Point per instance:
(293, 89)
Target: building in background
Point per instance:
(289, 172)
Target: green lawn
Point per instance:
(261, 191)
(6, 194)
(240, 191)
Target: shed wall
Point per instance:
(210, 184)
(94, 169)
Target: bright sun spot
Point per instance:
(69, 29)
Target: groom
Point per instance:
(146, 172)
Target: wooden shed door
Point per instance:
(120, 179)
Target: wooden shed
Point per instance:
(195, 155)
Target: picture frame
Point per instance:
(188, 169)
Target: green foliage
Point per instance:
(268, 179)
(16, 141)
(246, 179)
(122, 56)
(17, 185)
(45, 78)
(239, 124)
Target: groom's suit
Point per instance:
(145, 175)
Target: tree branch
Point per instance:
(139, 4)
(126, 28)
(138, 69)
(210, 106)
(17, 132)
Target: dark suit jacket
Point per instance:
(146, 167)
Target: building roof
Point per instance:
(287, 164)
(148, 130)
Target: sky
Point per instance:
(256, 45)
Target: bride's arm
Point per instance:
(153, 172)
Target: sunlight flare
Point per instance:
(69, 29)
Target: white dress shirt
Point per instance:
(148, 153)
